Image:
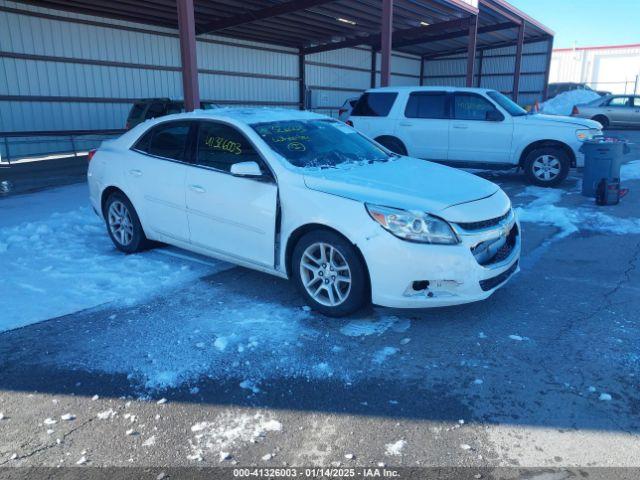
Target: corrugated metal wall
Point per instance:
(495, 69)
(64, 71)
(614, 69)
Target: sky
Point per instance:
(586, 22)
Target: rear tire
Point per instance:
(546, 166)
(123, 224)
(393, 144)
(602, 120)
(330, 274)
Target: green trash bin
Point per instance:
(603, 157)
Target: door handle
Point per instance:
(135, 173)
(461, 127)
(406, 124)
(197, 188)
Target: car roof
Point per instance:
(429, 89)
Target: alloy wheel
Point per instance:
(325, 274)
(546, 167)
(120, 223)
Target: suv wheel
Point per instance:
(602, 120)
(330, 274)
(547, 166)
(123, 224)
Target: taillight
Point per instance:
(127, 125)
(341, 111)
(575, 111)
(349, 122)
(91, 154)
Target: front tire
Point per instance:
(546, 166)
(123, 224)
(330, 273)
(393, 144)
(602, 120)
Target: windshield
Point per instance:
(318, 143)
(509, 105)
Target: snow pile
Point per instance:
(64, 261)
(364, 328)
(395, 448)
(229, 430)
(563, 104)
(630, 171)
(543, 209)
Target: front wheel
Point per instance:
(547, 166)
(330, 274)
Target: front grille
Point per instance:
(493, 282)
(481, 225)
(501, 254)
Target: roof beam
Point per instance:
(500, 11)
(399, 36)
(261, 14)
(487, 46)
(452, 35)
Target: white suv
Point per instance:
(473, 127)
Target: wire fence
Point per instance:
(623, 87)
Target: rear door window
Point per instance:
(468, 106)
(374, 104)
(167, 140)
(156, 110)
(427, 105)
(136, 111)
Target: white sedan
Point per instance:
(302, 196)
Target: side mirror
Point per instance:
(494, 116)
(246, 169)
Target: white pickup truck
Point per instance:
(473, 127)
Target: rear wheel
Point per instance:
(330, 274)
(393, 144)
(546, 166)
(123, 224)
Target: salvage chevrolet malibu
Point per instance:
(302, 196)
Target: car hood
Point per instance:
(405, 182)
(560, 120)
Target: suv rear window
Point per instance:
(374, 104)
(137, 110)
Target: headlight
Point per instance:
(413, 226)
(584, 135)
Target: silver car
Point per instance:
(611, 110)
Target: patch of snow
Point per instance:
(106, 414)
(395, 448)
(162, 401)
(82, 460)
(364, 328)
(517, 338)
(149, 442)
(478, 381)
(267, 457)
(630, 171)
(605, 397)
(249, 385)
(592, 389)
(1, 416)
(47, 249)
(49, 421)
(230, 430)
(563, 104)
(306, 308)
(349, 456)
(465, 446)
(381, 355)
(405, 341)
(221, 343)
(68, 417)
(482, 335)
(95, 397)
(131, 431)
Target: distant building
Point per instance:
(614, 68)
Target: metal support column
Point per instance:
(547, 72)
(302, 82)
(421, 71)
(471, 49)
(374, 61)
(187, 30)
(518, 66)
(480, 65)
(386, 41)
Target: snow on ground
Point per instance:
(563, 104)
(630, 171)
(57, 258)
(544, 209)
(395, 448)
(227, 432)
